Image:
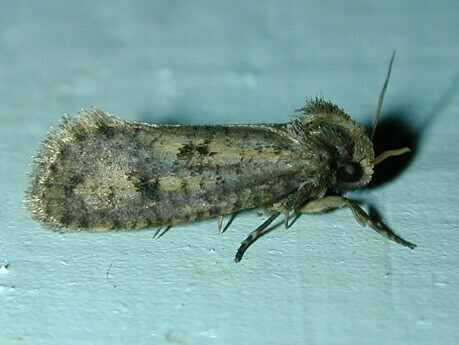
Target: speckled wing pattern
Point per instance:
(97, 171)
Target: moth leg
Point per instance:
(220, 224)
(158, 232)
(286, 218)
(332, 202)
(258, 232)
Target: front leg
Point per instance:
(331, 202)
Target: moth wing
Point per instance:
(101, 172)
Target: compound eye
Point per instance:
(350, 172)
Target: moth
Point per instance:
(99, 172)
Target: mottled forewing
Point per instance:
(102, 172)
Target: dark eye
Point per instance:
(350, 172)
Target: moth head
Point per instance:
(354, 165)
(389, 153)
(340, 144)
(350, 150)
(352, 175)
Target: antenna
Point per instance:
(381, 97)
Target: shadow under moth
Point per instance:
(99, 172)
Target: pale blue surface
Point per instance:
(323, 281)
